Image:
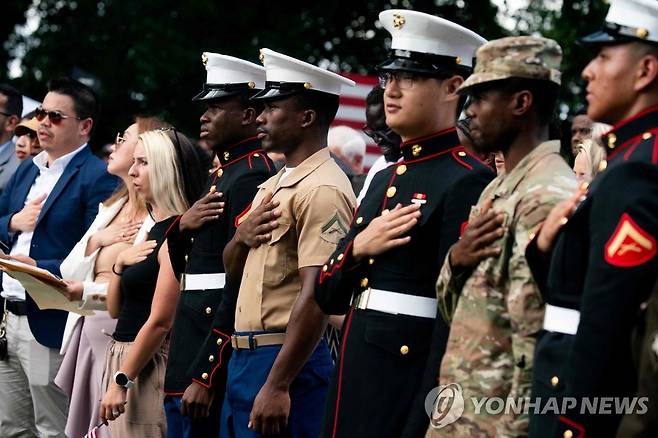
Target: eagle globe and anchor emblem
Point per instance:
(444, 405)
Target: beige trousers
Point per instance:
(144, 416)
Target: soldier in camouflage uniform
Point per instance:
(499, 310)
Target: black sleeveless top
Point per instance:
(138, 287)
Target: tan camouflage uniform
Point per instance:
(499, 309)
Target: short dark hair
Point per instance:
(245, 100)
(325, 105)
(85, 102)
(375, 96)
(14, 104)
(544, 94)
(582, 111)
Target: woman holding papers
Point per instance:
(121, 222)
(143, 291)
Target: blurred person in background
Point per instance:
(377, 129)
(26, 137)
(588, 160)
(122, 222)
(11, 108)
(143, 291)
(581, 129)
(349, 148)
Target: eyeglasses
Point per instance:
(378, 135)
(119, 140)
(404, 80)
(55, 117)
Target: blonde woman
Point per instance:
(121, 221)
(144, 291)
(589, 161)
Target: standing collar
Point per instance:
(238, 150)
(300, 172)
(41, 160)
(421, 147)
(630, 128)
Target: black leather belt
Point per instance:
(18, 308)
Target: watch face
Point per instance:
(121, 379)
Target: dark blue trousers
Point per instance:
(180, 426)
(247, 373)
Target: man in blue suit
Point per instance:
(45, 209)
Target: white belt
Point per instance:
(191, 282)
(396, 303)
(561, 320)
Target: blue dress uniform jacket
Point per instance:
(604, 266)
(388, 363)
(203, 313)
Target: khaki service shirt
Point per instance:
(316, 203)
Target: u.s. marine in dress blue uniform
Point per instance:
(200, 342)
(603, 264)
(392, 341)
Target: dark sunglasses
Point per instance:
(55, 117)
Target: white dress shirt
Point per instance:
(42, 185)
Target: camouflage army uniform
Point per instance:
(500, 310)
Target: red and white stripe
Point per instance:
(352, 111)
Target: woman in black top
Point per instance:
(143, 291)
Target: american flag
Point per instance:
(352, 111)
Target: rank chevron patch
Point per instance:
(629, 245)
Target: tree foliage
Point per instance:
(146, 55)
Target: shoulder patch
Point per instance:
(333, 230)
(629, 245)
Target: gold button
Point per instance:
(340, 257)
(415, 150)
(391, 191)
(461, 153)
(219, 341)
(186, 258)
(213, 189)
(385, 211)
(404, 350)
(567, 434)
(371, 261)
(208, 310)
(602, 165)
(612, 139)
(211, 358)
(256, 155)
(210, 171)
(364, 282)
(204, 376)
(331, 262)
(192, 239)
(324, 268)
(220, 172)
(359, 220)
(555, 380)
(401, 169)
(646, 136)
(531, 236)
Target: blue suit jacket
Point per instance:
(67, 213)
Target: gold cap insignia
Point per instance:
(251, 84)
(307, 85)
(642, 32)
(261, 57)
(398, 21)
(458, 60)
(204, 59)
(612, 139)
(415, 150)
(226, 155)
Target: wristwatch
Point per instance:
(121, 379)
